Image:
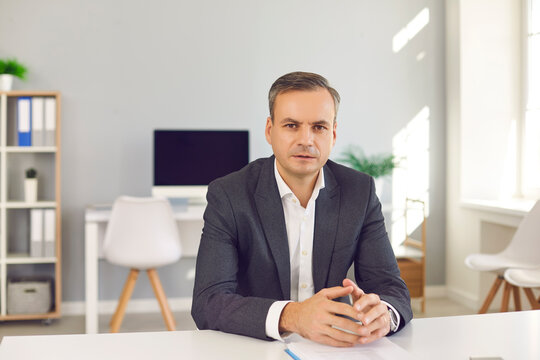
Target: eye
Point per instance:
(319, 127)
(290, 126)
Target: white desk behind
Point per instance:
(190, 224)
(511, 336)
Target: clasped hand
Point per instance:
(317, 318)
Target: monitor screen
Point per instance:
(196, 157)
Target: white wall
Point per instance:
(127, 67)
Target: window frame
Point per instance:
(522, 190)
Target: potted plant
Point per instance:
(30, 185)
(378, 166)
(9, 69)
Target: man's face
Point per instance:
(303, 132)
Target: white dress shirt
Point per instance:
(300, 225)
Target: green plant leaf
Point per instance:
(376, 165)
(13, 67)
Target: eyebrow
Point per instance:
(289, 120)
(321, 122)
(318, 122)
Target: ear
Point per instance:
(334, 133)
(268, 130)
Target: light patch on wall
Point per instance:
(421, 55)
(508, 176)
(411, 178)
(190, 275)
(531, 150)
(411, 30)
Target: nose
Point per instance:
(305, 136)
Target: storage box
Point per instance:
(29, 296)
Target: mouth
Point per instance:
(303, 157)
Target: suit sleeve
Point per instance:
(376, 269)
(216, 303)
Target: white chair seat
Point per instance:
(167, 257)
(496, 263)
(529, 278)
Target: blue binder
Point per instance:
(24, 120)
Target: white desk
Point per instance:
(512, 336)
(190, 223)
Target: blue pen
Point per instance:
(291, 354)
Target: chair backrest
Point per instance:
(525, 245)
(142, 233)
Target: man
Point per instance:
(280, 235)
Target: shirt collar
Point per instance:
(284, 189)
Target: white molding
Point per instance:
(513, 207)
(462, 297)
(149, 305)
(436, 291)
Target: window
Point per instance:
(530, 169)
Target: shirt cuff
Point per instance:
(272, 319)
(394, 311)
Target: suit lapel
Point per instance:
(270, 210)
(326, 222)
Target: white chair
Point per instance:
(523, 252)
(142, 235)
(526, 279)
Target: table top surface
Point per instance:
(510, 336)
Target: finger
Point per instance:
(340, 308)
(349, 325)
(381, 322)
(374, 336)
(374, 313)
(341, 335)
(327, 340)
(336, 292)
(366, 301)
(357, 292)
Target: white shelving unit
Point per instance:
(14, 211)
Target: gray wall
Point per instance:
(127, 67)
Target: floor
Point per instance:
(153, 322)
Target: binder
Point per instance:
(36, 232)
(24, 119)
(50, 121)
(49, 219)
(37, 121)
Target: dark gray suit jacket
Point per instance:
(243, 262)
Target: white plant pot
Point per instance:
(30, 190)
(6, 82)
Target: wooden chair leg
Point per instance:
(162, 299)
(118, 316)
(535, 305)
(496, 284)
(517, 299)
(506, 297)
(423, 304)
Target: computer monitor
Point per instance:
(186, 161)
